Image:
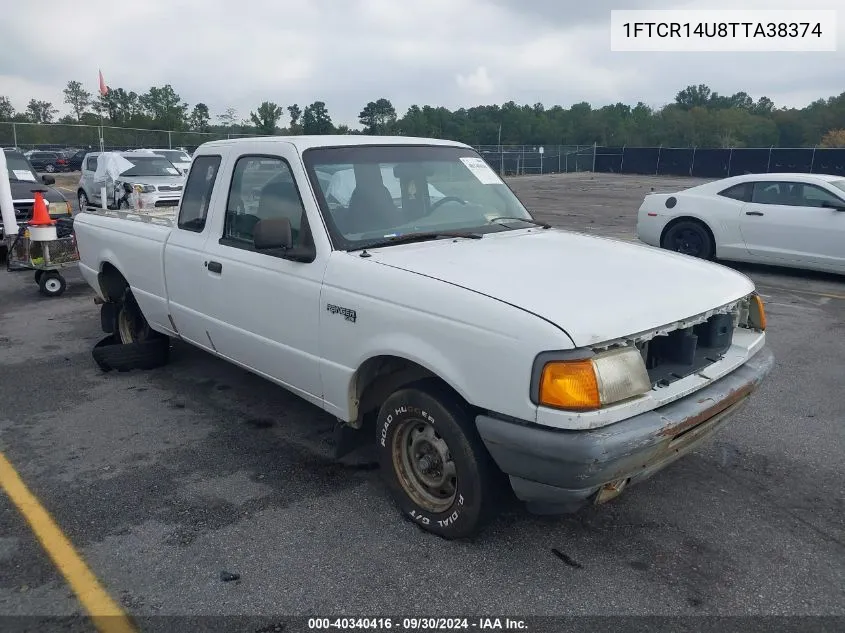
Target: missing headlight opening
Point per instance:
(674, 355)
(685, 351)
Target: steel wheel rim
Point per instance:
(127, 327)
(424, 465)
(83, 201)
(124, 328)
(52, 285)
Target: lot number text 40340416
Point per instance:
(419, 624)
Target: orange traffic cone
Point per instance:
(40, 215)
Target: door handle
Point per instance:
(753, 213)
(215, 267)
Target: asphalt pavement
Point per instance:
(162, 480)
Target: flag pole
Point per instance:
(103, 92)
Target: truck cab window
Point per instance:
(262, 188)
(194, 207)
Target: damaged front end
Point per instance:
(685, 348)
(702, 371)
(676, 352)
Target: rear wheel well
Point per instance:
(380, 376)
(686, 218)
(112, 283)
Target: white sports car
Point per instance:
(794, 220)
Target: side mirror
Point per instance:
(834, 206)
(272, 233)
(48, 180)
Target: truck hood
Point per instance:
(595, 289)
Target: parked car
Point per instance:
(475, 346)
(48, 161)
(23, 180)
(153, 178)
(75, 159)
(180, 158)
(792, 220)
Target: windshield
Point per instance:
(175, 156)
(839, 184)
(18, 168)
(149, 166)
(372, 192)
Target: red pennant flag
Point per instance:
(104, 89)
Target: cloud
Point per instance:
(454, 53)
(478, 83)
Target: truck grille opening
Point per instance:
(166, 203)
(683, 352)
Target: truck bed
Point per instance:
(165, 216)
(129, 241)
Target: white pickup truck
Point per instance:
(481, 348)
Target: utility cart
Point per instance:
(47, 259)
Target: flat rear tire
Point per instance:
(133, 344)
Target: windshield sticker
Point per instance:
(23, 174)
(173, 170)
(481, 170)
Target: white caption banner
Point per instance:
(723, 31)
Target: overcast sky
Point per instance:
(347, 52)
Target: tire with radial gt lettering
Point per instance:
(434, 462)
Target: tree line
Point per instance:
(698, 117)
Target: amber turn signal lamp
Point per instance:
(570, 385)
(757, 312)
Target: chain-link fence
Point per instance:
(507, 160)
(702, 162)
(62, 136)
(520, 160)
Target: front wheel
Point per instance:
(689, 237)
(83, 201)
(433, 461)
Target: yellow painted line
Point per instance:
(829, 295)
(108, 617)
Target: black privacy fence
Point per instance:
(719, 163)
(665, 161)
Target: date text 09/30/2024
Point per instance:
(419, 624)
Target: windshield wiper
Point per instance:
(545, 225)
(417, 237)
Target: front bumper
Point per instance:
(555, 471)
